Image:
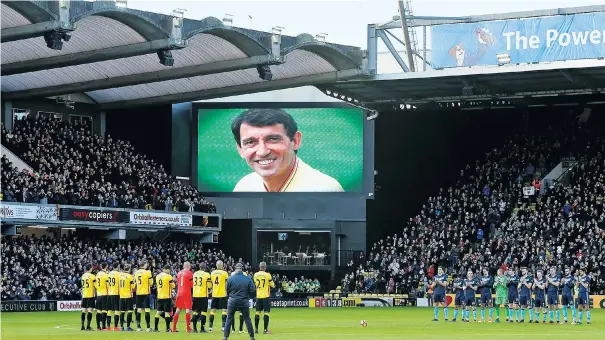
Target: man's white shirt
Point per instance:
(302, 179)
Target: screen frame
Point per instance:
(368, 146)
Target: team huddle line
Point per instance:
(517, 293)
(115, 291)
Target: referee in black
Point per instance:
(240, 290)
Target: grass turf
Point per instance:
(314, 324)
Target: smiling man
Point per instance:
(268, 140)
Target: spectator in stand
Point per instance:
(33, 268)
(484, 220)
(75, 167)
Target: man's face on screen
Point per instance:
(268, 150)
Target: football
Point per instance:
(364, 323)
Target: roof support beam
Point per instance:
(149, 77)
(61, 24)
(29, 31)
(393, 51)
(87, 57)
(315, 79)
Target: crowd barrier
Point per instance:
(46, 214)
(12, 306)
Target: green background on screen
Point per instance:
(332, 143)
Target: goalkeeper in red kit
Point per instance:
(183, 299)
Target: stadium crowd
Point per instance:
(35, 268)
(76, 167)
(486, 221)
(50, 269)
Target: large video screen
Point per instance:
(280, 150)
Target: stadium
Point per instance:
(418, 176)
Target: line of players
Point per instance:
(114, 291)
(517, 293)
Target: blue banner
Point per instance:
(542, 39)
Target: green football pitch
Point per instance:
(316, 324)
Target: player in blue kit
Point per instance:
(553, 281)
(525, 284)
(540, 296)
(459, 299)
(568, 282)
(485, 285)
(470, 289)
(583, 284)
(513, 296)
(439, 293)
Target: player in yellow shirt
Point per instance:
(126, 299)
(143, 281)
(219, 293)
(88, 297)
(263, 282)
(165, 286)
(101, 286)
(201, 284)
(113, 298)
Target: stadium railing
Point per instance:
(15, 213)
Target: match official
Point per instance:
(240, 290)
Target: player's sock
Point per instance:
(156, 321)
(116, 318)
(537, 314)
(507, 311)
(148, 319)
(82, 318)
(88, 319)
(138, 319)
(544, 317)
(104, 320)
(523, 314)
(211, 319)
(129, 319)
(241, 323)
(531, 314)
(436, 312)
(188, 321)
(573, 312)
(445, 312)
(98, 319)
(203, 326)
(109, 317)
(194, 319)
(558, 315)
(224, 318)
(551, 315)
(455, 313)
(175, 320)
(474, 314)
(498, 313)
(587, 316)
(482, 313)
(517, 314)
(491, 313)
(565, 313)
(266, 321)
(168, 319)
(580, 315)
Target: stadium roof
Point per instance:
(475, 83)
(116, 56)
